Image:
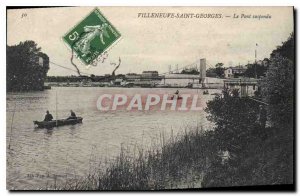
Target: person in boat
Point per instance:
(48, 116)
(205, 92)
(73, 115)
(176, 94)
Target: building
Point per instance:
(265, 62)
(118, 82)
(132, 76)
(246, 86)
(146, 79)
(146, 74)
(230, 72)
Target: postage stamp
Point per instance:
(91, 37)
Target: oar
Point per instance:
(56, 108)
(11, 125)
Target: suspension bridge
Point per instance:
(173, 73)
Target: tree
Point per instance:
(255, 70)
(278, 90)
(23, 70)
(211, 72)
(192, 72)
(286, 49)
(220, 69)
(233, 116)
(258, 155)
(278, 85)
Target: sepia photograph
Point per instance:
(123, 98)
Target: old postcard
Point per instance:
(150, 98)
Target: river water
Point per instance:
(38, 156)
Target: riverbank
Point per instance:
(101, 85)
(238, 152)
(194, 161)
(178, 162)
(182, 81)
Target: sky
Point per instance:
(157, 43)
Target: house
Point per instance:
(132, 76)
(230, 72)
(150, 74)
(118, 82)
(265, 62)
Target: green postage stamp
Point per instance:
(91, 37)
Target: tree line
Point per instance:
(259, 154)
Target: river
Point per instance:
(36, 156)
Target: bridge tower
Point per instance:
(202, 71)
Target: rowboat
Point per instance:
(57, 123)
(205, 92)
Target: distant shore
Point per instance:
(115, 86)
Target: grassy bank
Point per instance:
(178, 163)
(194, 160)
